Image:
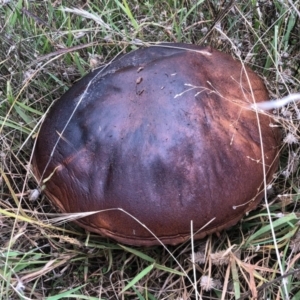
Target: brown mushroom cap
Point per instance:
(163, 135)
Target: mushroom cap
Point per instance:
(157, 138)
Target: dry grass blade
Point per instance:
(86, 14)
(48, 267)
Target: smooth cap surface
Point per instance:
(163, 135)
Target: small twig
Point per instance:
(268, 284)
(218, 19)
(62, 51)
(35, 18)
(195, 24)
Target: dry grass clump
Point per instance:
(45, 47)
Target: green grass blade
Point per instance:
(28, 108)
(15, 125)
(139, 295)
(235, 278)
(66, 294)
(138, 253)
(128, 12)
(151, 260)
(287, 221)
(166, 269)
(138, 277)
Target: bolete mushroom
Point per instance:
(157, 138)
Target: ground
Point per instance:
(46, 46)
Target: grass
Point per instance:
(45, 47)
